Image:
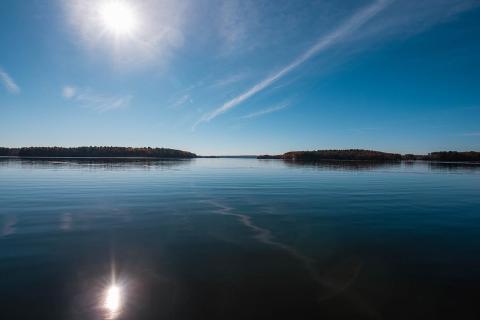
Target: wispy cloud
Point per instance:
(95, 101)
(266, 111)
(180, 102)
(408, 18)
(234, 28)
(231, 79)
(364, 130)
(8, 82)
(69, 92)
(471, 134)
(322, 44)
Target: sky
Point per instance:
(239, 77)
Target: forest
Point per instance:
(93, 152)
(449, 156)
(369, 155)
(349, 154)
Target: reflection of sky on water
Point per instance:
(263, 235)
(66, 220)
(94, 163)
(328, 286)
(8, 227)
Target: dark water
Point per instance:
(238, 239)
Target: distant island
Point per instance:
(469, 156)
(370, 155)
(97, 152)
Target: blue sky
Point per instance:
(242, 76)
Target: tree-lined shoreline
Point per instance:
(97, 152)
(300, 156)
(371, 155)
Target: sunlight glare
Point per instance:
(118, 17)
(113, 299)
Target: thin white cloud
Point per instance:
(8, 82)
(265, 111)
(231, 79)
(180, 102)
(322, 44)
(408, 18)
(471, 134)
(68, 92)
(95, 101)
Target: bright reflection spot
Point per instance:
(113, 300)
(118, 17)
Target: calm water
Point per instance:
(238, 239)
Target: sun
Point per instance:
(118, 17)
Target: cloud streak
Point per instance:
(229, 80)
(265, 111)
(8, 82)
(180, 102)
(95, 101)
(471, 134)
(322, 44)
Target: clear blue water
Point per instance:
(238, 239)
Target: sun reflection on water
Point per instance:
(113, 301)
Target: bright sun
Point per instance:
(118, 17)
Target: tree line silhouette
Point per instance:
(147, 152)
(96, 152)
(454, 156)
(349, 154)
(370, 155)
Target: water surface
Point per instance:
(238, 239)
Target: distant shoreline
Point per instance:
(147, 153)
(93, 158)
(371, 155)
(96, 152)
